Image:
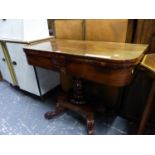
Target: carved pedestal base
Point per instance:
(75, 103)
(83, 110)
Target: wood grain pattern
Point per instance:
(107, 51)
(85, 69)
(107, 30)
(89, 71)
(69, 29)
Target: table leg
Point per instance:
(147, 110)
(78, 98)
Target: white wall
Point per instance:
(11, 28)
(24, 29)
(35, 29)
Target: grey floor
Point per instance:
(22, 114)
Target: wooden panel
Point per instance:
(40, 61)
(114, 30)
(83, 68)
(69, 29)
(145, 33)
(111, 77)
(145, 29)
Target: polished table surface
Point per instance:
(118, 52)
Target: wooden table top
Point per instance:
(117, 52)
(149, 62)
(107, 63)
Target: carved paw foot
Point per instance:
(50, 115)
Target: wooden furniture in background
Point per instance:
(148, 65)
(144, 31)
(102, 62)
(69, 29)
(113, 30)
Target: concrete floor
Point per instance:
(23, 114)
